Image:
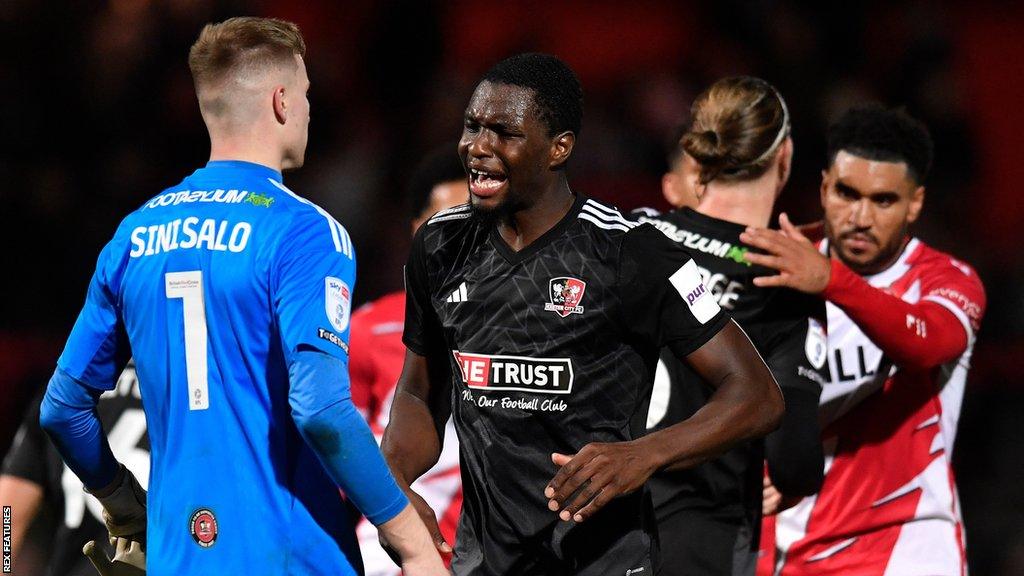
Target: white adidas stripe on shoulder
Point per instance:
(601, 224)
(454, 213)
(437, 219)
(607, 212)
(452, 210)
(609, 219)
(342, 241)
(605, 220)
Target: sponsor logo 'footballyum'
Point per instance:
(488, 372)
(566, 294)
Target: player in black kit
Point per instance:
(34, 476)
(535, 316)
(709, 516)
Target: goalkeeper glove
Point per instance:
(129, 558)
(124, 505)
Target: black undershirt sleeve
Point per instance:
(793, 451)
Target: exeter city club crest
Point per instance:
(566, 295)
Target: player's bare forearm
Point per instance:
(411, 543)
(747, 403)
(411, 443)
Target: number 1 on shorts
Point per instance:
(189, 287)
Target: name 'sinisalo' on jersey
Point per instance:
(185, 233)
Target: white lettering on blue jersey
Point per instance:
(182, 234)
(220, 196)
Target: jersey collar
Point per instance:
(257, 170)
(546, 238)
(689, 214)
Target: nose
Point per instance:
(479, 144)
(862, 215)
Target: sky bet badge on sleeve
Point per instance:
(337, 302)
(566, 294)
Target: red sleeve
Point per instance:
(935, 330)
(361, 370)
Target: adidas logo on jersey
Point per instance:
(460, 294)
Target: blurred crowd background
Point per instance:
(99, 115)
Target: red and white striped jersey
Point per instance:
(889, 505)
(374, 367)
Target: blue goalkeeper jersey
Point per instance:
(213, 285)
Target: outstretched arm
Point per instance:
(329, 422)
(920, 335)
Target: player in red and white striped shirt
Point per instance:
(902, 320)
(439, 182)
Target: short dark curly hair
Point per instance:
(557, 91)
(883, 134)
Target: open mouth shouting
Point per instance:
(484, 183)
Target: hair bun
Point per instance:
(737, 125)
(707, 148)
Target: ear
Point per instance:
(916, 203)
(668, 188)
(785, 163)
(280, 105)
(561, 149)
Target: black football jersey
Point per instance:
(787, 328)
(549, 348)
(79, 515)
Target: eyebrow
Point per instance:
(882, 195)
(495, 125)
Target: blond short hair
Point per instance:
(242, 46)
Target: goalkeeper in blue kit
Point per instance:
(234, 296)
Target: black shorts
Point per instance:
(695, 544)
(609, 544)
